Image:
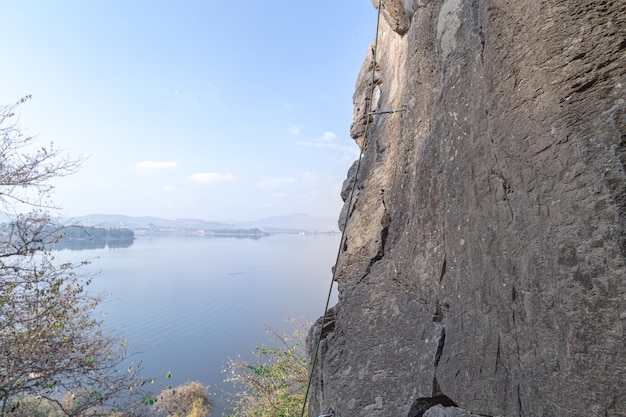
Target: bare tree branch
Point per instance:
(51, 346)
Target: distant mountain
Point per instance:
(119, 220)
(291, 223)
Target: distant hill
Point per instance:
(290, 223)
(120, 220)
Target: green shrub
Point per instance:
(274, 385)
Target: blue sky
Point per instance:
(207, 109)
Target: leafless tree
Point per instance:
(52, 348)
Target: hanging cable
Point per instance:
(386, 111)
(345, 223)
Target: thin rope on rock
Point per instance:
(345, 223)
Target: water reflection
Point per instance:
(88, 244)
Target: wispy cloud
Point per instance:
(153, 165)
(295, 130)
(328, 140)
(326, 137)
(274, 183)
(210, 177)
(312, 177)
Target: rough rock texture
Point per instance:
(441, 411)
(485, 260)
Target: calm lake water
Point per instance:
(189, 304)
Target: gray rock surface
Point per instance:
(441, 411)
(485, 256)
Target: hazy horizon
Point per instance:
(286, 215)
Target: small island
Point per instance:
(89, 237)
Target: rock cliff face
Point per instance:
(484, 269)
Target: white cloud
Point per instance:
(294, 131)
(326, 137)
(152, 165)
(312, 177)
(210, 177)
(352, 150)
(274, 182)
(327, 140)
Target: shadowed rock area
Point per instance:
(484, 266)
